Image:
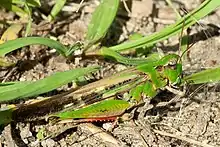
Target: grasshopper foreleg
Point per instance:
(175, 91)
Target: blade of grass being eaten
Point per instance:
(108, 53)
(206, 76)
(32, 88)
(191, 18)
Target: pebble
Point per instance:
(48, 143)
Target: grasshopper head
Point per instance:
(173, 73)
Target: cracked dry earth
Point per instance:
(193, 120)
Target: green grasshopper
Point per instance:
(154, 75)
(98, 100)
(84, 95)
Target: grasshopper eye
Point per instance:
(172, 63)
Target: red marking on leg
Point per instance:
(101, 119)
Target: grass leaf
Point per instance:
(191, 18)
(56, 9)
(32, 3)
(32, 88)
(5, 117)
(206, 76)
(11, 33)
(108, 53)
(102, 19)
(11, 7)
(12, 45)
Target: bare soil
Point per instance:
(193, 120)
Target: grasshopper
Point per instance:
(78, 97)
(99, 100)
(154, 76)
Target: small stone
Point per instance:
(48, 143)
(25, 132)
(107, 126)
(35, 143)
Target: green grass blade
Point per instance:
(191, 18)
(56, 9)
(5, 117)
(12, 45)
(29, 88)
(9, 6)
(206, 76)
(101, 21)
(108, 53)
(28, 27)
(32, 3)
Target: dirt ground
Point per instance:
(193, 120)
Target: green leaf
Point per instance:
(101, 20)
(206, 76)
(9, 6)
(56, 9)
(32, 3)
(29, 23)
(191, 18)
(28, 88)
(5, 117)
(78, 45)
(12, 45)
(108, 53)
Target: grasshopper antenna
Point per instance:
(180, 44)
(188, 48)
